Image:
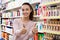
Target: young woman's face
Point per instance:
(26, 10)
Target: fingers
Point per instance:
(23, 26)
(35, 24)
(35, 30)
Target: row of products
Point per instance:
(40, 36)
(12, 14)
(36, 19)
(4, 1)
(36, 36)
(37, 10)
(18, 13)
(50, 11)
(7, 22)
(51, 28)
(48, 36)
(7, 29)
(11, 37)
(54, 21)
(44, 1)
(15, 4)
(5, 36)
(9, 4)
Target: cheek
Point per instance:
(28, 12)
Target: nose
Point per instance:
(24, 11)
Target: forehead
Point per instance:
(25, 6)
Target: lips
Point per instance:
(25, 13)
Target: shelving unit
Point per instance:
(51, 16)
(52, 32)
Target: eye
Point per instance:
(27, 9)
(22, 9)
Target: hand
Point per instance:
(24, 30)
(35, 30)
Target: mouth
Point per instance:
(25, 14)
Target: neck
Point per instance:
(25, 19)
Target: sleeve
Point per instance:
(16, 30)
(31, 34)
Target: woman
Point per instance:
(25, 28)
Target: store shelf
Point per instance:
(7, 17)
(36, 16)
(47, 31)
(6, 1)
(52, 24)
(6, 25)
(7, 32)
(47, 37)
(50, 3)
(17, 4)
(16, 17)
(13, 5)
(11, 17)
(22, 16)
(34, 1)
(50, 17)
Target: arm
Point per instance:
(32, 32)
(16, 31)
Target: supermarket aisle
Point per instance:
(46, 15)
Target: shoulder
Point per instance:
(16, 20)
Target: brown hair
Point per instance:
(31, 14)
